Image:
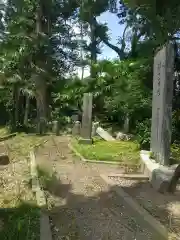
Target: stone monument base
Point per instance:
(85, 141)
(159, 175)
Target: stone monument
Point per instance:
(86, 125)
(162, 104)
(55, 128)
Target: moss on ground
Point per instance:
(20, 223)
(126, 152)
(19, 214)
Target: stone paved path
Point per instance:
(81, 205)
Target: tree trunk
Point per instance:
(41, 104)
(81, 51)
(27, 108)
(93, 47)
(174, 180)
(15, 110)
(40, 81)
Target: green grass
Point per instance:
(20, 223)
(126, 152)
(175, 152)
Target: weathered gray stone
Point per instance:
(123, 136)
(104, 134)
(85, 141)
(94, 128)
(160, 181)
(75, 117)
(55, 127)
(126, 125)
(76, 128)
(86, 126)
(160, 176)
(162, 103)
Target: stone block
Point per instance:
(159, 176)
(104, 134)
(85, 141)
(55, 127)
(160, 181)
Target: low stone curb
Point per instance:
(45, 229)
(98, 161)
(139, 176)
(7, 137)
(155, 224)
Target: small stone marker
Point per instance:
(56, 127)
(94, 128)
(104, 134)
(86, 126)
(75, 117)
(126, 124)
(76, 128)
(162, 104)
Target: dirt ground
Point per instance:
(81, 205)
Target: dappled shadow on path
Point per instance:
(100, 216)
(82, 206)
(52, 184)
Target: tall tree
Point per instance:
(38, 47)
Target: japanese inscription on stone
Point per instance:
(162, 103)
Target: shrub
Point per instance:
(143, 132)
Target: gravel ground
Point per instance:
(164, 207)
(81, 205)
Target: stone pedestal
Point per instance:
(159, 176)
(85, 141)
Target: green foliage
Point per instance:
(143, 133)
(66, 97)
(120, 89)
(176, 126)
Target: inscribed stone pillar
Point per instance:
(56, 127)
(162, 104)
(86, 126)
